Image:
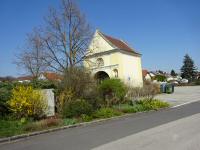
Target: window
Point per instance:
(115, 73)
(99, 62)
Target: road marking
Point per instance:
(184, 104)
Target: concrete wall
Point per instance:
(49, 97)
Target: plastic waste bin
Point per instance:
(163, 88)
(169, 88)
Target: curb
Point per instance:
(27, 135)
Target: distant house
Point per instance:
(146, 75)
(50, 76)
(24, 79)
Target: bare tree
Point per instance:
(31, 58)
(65, 37)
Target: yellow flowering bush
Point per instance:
(27, 102)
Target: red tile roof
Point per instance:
(119, 43)
(48, 75)
(52, 76)
(144, 73)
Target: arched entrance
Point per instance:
(101, 75)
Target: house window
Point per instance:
(99, 62)
(115, 73)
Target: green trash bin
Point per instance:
(169, 88)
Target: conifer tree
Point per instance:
(188, 70)
(173, 73)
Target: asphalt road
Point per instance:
(182, 134)
(146, 127)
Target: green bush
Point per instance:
(106, 113)
(42, 84)
(77, 108)
(113, 91)
(5, 95)
(160, 78)
(142, 105)
(153, 104)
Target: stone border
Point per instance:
(27, 135)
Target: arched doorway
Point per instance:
(101, 75)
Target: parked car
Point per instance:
(184, 81)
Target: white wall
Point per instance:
(132, 70)
(49, 97)
(98, 44)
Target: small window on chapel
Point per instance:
(115, 73)
(100, 62)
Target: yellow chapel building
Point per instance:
(109, 57)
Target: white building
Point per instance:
(113, 58)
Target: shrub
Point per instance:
(106, 113)
(77, 108)
(26, 102)
(113, 91)
(77, 83)
(5, 95)
(160, 78)
(148, 91)
(153, 104)
(78, 80)
(42, 84)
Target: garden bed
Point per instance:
(10, 127)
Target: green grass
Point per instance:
(10, 128)
(106, 113)
(142, 105)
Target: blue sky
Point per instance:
(162, 30)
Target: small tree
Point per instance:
(188, 70)
(173, 73)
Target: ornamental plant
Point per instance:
(28, 103)
(113, 91)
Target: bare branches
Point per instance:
(31, 58)
(67, 35)
(60, 44)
